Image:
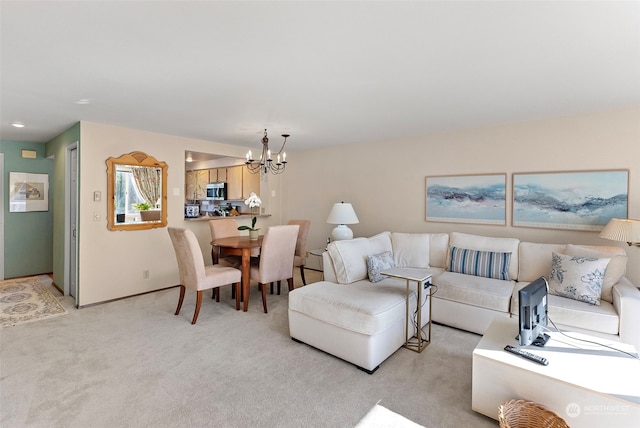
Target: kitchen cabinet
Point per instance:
(222, 174)
(234, 182)
(250, 183)
(217, 175)
(196, 184)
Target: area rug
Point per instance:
(25, 300)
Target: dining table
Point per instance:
(246, 248)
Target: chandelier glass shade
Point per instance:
(267, 163)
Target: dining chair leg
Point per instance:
(304, 281)
(181, 299)
(236, 287)
(198, 304)
(279, 282)
(290, 281)
(263, 287)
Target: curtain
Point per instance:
(148, 181)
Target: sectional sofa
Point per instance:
(359, 316)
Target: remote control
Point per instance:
(528, 355)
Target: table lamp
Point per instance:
(342, 214)
(622, 229)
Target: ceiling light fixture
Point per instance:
(266, 163)
(189, 157)
(17, 124)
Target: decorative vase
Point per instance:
(253, 235)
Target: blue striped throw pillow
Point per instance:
(479, 263)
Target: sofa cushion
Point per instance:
(438, 249)
(615, 269)
(360, 307)
(485, 243)
(411, 249)
(535, 260)
(349, 257)
(489, 293)
(487, 264)
(576, 277)
(573, 313)
(377, 263)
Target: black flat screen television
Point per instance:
(532, 313)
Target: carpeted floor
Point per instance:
(26, 300)
(132, 363)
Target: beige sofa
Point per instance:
(363, 322)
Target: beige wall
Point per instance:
(111, 263)
(385, 181)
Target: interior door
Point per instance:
(73, 211)
(1, 216)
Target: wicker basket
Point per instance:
(521, 414)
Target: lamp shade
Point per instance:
(624, 230)
(342, 213)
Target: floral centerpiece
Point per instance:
(253, 201)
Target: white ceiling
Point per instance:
(327, 72)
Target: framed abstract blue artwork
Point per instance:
(583, 200)
(467, 199)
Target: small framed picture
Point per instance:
(28, 192)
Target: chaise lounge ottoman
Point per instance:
(361, 323)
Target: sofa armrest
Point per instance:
(329, 271)
(626, 300)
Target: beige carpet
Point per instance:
(131, 363)
(26, 300)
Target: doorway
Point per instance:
(71, 216)
(1, 216)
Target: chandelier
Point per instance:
(266, 163)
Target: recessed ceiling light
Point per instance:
(17, 124)
(83, 101)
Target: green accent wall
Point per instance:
(28, 248)
(57, 148)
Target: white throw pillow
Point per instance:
(615, 269)
(411, 249)
(349, 257)
(578, 278)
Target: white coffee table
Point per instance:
(585, 384)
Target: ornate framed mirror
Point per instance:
(136, 192)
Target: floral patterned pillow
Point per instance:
(578, 278)
(378, 263)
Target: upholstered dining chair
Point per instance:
(224, 228)
(194, 274)
(276, 258)
(300, 256)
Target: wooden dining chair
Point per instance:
(276, 258)
(194, 274)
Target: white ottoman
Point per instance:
(362, 323)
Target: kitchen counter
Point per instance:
(215, 217)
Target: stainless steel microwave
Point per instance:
(216, 191)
